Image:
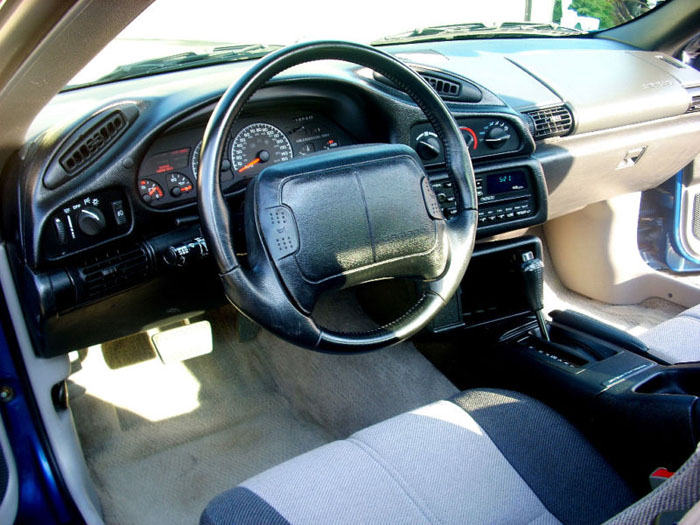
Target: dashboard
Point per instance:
(102, 213)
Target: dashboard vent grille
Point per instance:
(115, 270)
(442, 86)
(84, 150)
(551, 122)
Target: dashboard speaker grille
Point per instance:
(442, 86)
(84, 150)
(114, 270)
(551, 122)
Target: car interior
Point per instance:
(432, 280)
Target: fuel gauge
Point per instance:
(179, 184)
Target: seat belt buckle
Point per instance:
(659, 475)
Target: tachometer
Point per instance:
(257, 146)
(195, 159)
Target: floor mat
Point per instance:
(162, 440)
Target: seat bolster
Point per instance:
(242, 507)
(571, 478)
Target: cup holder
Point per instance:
(682, 380)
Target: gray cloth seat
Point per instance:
(676, 340)
(485, 456)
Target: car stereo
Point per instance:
(510, 195)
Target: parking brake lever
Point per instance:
(532, 271)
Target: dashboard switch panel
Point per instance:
(86, 222)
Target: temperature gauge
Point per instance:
(150, 190)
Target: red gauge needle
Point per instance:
(249, 165)
(152, 191)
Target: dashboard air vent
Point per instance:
(89, 142)
(114, 270)
(551, 122)
(694, 93)
(97, 138)
(450, 87)
(443, 87)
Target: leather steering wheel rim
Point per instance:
(258, 290)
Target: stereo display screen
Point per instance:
(506, 181)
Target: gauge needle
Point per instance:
(249, 165)
(152, 191)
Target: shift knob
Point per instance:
(532, 272)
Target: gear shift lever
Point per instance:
(532, 271)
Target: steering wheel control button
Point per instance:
(432, 202)
(280, 231)
(91, 221)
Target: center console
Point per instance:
(641, 412)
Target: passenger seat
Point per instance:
(676, 340)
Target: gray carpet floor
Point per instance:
(162, 439)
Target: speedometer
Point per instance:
(257, 146)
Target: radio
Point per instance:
(504, 195)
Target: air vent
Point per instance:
(694, 93)
(88, 143)
(443, 87)
(114, 270)
(449, 87)
(551, 122)
(82, 152)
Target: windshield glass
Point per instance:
(177, 34)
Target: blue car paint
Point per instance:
(691, 264)
(42, 499)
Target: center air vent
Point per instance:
(88, 143)
(114, 271)
(443, 87)
(551, 122)
(449, 87)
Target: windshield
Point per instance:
(177, 34)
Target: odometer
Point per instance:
(257, 146)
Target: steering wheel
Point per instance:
(339, 218)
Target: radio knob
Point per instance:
(428, 146)
(496, 137)
(91, 221)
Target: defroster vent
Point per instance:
(551, 122)
(113, 271)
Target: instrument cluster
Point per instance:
(167, 176)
